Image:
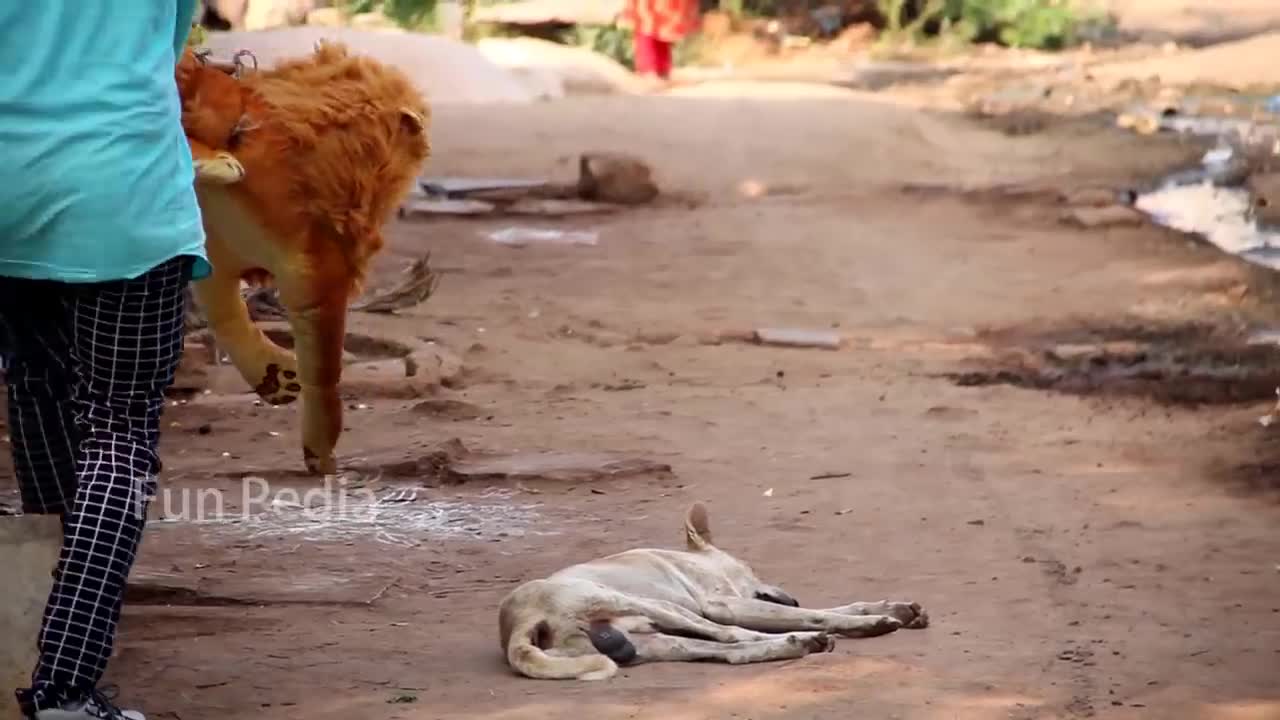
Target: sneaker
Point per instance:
(97, 706)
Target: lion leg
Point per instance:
(269, 369)
(318, 315)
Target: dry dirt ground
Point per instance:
(1089, 541)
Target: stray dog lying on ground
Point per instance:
(675, 606)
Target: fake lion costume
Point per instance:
(297, 170)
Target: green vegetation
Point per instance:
(408, 14)
(1043, 24)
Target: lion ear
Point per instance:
(412, 122)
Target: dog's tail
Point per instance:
(526, 658)
(697, 528)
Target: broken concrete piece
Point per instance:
(797, 337)
(456, 188)
(29, 546)
(615, 178)
(429, 206)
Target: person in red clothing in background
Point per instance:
(657, 25)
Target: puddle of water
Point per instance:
(1198, 201)
(1219, 214)
(398, 518)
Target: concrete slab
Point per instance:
(29, 546)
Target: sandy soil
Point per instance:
(1083, 554)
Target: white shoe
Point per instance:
(96, 707)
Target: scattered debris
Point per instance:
(415, 287)
(523, 236)
(606, 182)
(1266, 420)
(798, 337)
(449, 409)
(454, 188)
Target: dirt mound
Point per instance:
(1234, 65)
(449, 72)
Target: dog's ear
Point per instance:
(697, 528)
(412, 122)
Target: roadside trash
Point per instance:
(796, 337)
(522, 236)
(1269, 419)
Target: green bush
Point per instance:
(1045, 24)
(409, 14)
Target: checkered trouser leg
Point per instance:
(89, 367)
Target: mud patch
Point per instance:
(1256, 474)
(1182, 364)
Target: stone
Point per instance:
(1264, 197)
(615, 178)
(29, 547)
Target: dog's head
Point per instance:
(697, 533)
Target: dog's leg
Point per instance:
(910, 614)
(773, 618)
(669, 648)
(674, 618)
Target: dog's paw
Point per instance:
(222, 169)
(911, 615)
(876, 625)
(813, 642)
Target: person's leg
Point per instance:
(646, 59)
(662, 58)
(126, 339)
(36, 319)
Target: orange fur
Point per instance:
(322, 150)
(334, 143)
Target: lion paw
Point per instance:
(222, 169)
(279, 385)
(319, 464)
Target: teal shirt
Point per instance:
(95, 173)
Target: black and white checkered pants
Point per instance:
(87, 370)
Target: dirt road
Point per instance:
(1104, 554)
